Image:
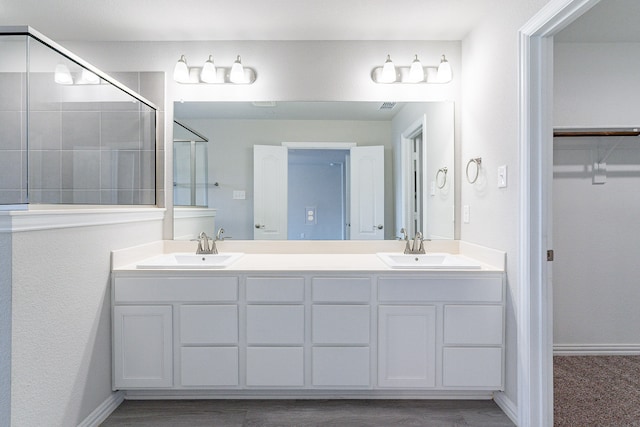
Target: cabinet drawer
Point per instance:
(275, 366)
(477, 289)
(336, 289)
(473, 324)
(209, 324)
(175, 289)
(341, 366)
(340, 324)
(275, 324)
(472, 367)
(275, 289)
(209, 366)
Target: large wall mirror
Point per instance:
(328, 170)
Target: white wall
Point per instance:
(596, 231)
(489, 123)
(231, 159)
(61, 350)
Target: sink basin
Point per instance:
(429, 261)
(191, 260)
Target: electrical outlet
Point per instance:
(466, 214)
(239, 195)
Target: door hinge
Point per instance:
(550, 255)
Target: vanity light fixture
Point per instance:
(208, 73)
(212, 73)
(444, 71)
(414, 73)
(237, 72)
(181, 70)
(388, 71)
(62, 75)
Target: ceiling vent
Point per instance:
(387, 106)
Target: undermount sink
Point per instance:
(428, 261)
(190, 260)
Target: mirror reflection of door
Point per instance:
(318, 194)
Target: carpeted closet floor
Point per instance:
(596, 391)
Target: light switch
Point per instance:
(239, 195)
(502, 176)
(466, 213)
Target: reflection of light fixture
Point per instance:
(237, 72)
(208, 73)
(88, 77)
(416, 72)
(62, 75)
(181, 71)
(444, 71)
(212, 73)
(388, 71)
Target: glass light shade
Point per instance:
(416, 72)
(237, 72)
(444, 71)
(181, 71)
(62, 75)
(208, 73)
(388, 74)
(89, 77)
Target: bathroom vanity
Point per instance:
(305, 325)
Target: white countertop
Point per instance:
(273, 256)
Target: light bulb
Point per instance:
(416, 72)
(444, 71)
(208, 73)
(237, 72)
(62, 75)
(181, 71)
(388, 74)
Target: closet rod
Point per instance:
(595, 132)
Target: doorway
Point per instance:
(318, 194)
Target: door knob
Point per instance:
(379, 227)
(259, 226)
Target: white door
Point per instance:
(367, 193)
(269, 192)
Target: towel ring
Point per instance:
(478, 162)
(442, 171)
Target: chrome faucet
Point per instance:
(417, 247)
(220, 233)
(203, 245)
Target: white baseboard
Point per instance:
(104, 410)
(596, 350)
(508, 407)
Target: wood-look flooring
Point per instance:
(308, 413)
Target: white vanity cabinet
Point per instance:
(312, 333)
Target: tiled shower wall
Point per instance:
(79, 152)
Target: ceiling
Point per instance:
(186, 20)
(173, 20)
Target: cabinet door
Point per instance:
(142, 347)
(406, 346)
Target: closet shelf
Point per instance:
(582, 132)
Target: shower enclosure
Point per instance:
(69, 133)
(190, 171)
